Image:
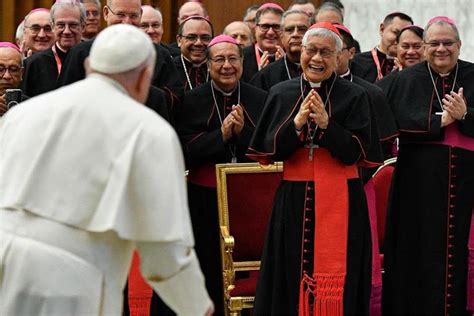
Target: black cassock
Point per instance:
(165, 75)
(387, 129)
(250, 62)
(347, 138)
(41, 72)
(432, 198)
(276, 72)
(199, 129)
(197, 74)
(363, 65)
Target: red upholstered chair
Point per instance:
(139, 292)
(382, 182)
(245, 199)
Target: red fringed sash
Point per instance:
(326, 286)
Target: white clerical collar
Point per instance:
(109, 80)
(262, 51)
(60, 48)
(346, 74)
(192, 64)
(226, 94)
(312, 84)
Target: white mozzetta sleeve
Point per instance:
(173, 271)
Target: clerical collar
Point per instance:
(262, 51)
(346, 75)
(192, 64)
(226, 94)
(312, 84)
(60, 48)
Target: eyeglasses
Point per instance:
(323, 52)
(93, 13)
(36, 28)
(436, 44)
(250, 20)
(13, 70)
(194, 37)
(61, 26)
(122, 15)
(266, 27)
(220, 60)
(301, 29)
(146, 26)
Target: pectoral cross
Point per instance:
(311, 147)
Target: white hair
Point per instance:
(322, 32)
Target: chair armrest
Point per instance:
(228, 262)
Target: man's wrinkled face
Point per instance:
(10, 69)
(240, 32)
(319, 58)
(38, 34)
(225, 65)
(389, 33)
(151, 23)
(294, 26)
(193, 42)
(92, 27)
(268, 31)
(123, 11)
(442, 47)
(67, 27)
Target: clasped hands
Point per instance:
(280, 53)
(454, 107)
(312, 108)
(233, 123)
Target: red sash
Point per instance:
(330, 176)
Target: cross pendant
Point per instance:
(311, 147)
(234, 159)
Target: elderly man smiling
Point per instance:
(317, 251)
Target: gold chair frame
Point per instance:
(235, 304)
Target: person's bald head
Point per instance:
(152, 23)
(123, 11)
(189, 9)
(240, 32)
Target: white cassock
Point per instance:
(87, 175)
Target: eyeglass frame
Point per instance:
(122, 15)
(36, 28)
(200, 37)
(71, 25)
(265, 27)
(233, 60)
(301, 29)
(436, 44)
(321, 51)
(155, 26)
(12, 73)
(94, 13)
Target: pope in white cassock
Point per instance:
(87, 175)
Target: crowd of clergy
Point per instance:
(291, 84)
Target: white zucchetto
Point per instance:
(120, 48)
